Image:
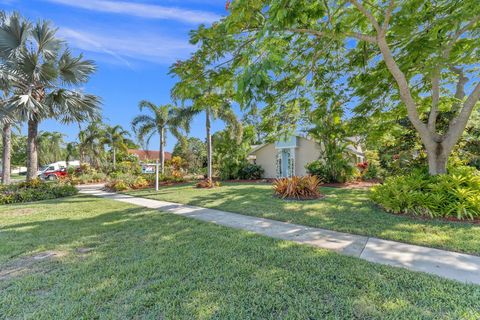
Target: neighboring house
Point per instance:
(148, 155)
(289, 157)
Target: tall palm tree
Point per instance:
(210, 92)
(6, 126)
(44, 75)
(224, 113)
(6, 122)
(115, 137)
(163, 118)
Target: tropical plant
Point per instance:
(193, 151)
(50, 147)
(330, 131)
(299, 188)
(71, 151)
(210, 93)
(6, 122)
(417, 57)
(45, 77)
(230, 152)
(91, 145)
(453, 195)
(164, 118)
(251, 171)
(115, 137)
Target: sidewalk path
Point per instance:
(451, 265)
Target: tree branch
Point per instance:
(458, 34)
(432, 118)
(457, 125)
(367, 14)
(462, 81)
(321, 34)
(388, 15)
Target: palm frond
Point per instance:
(142, 120)
(75, 70)
(72, 106)
(13, 33)
(48, 45)
(144, 104)
(146, 130)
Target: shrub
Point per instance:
(300, 188)
(140, 183)
(117, 185)
(452, 195)
(341, 171)
(251, 172)
(35, 190)
(208, 184)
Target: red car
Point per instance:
(54, 174)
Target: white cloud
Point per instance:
(126, 47)
(142, 10)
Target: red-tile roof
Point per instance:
(143, 155)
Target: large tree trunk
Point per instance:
(437, 158)
(162, 150)
(32, 154)
(209, 145)
(7, 151)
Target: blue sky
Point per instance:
(133, 43)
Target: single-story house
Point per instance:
(286, 158)
(148, 155)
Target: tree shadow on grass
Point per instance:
(345, 210)
(145, 264)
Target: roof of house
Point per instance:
(148, 154)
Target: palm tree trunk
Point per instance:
(114, 158)
(209, 145)
(162, 151)
(7, 150)
(32, 153)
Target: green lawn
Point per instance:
(118, 261)
(342, 210)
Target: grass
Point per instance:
(346, 210)
(118, 261)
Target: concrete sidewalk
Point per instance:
(451, 265)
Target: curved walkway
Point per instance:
(451, 265)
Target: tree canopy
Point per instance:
(414, 58)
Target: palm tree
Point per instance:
(91, 144)
(6, 122)
(71, 150)
(210, 92)
(50, 147)
(6, 140)
(115, 138)
(44, 74)
(163, 118)
(224, 113)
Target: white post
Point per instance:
(156, 176)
